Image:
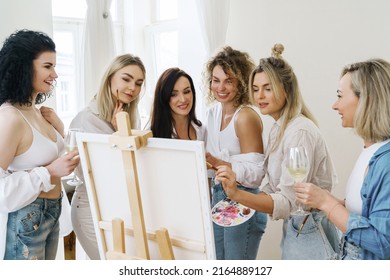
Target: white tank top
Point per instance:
(225, 143)
(42, 151)
(228, 138)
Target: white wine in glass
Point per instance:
(70, 146)
(298, 167)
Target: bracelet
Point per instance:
(330, 211)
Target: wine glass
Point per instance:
(71, 145)
(298, 167)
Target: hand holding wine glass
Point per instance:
(298, 168)
(71, 145)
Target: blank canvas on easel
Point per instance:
(174, 192)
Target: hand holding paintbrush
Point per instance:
(210, 166)
(117, 108)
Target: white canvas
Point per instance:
(174, 192)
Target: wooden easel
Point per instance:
(128, 140)
(131, 193)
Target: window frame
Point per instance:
(75, 27)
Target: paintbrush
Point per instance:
(302, 225)
(210, 166)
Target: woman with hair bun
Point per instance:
(274, 89)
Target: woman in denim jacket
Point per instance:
(364, 215)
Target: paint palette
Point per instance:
(228, 213)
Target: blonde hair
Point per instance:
(371, 84)
(236, 64)
(104, 97)
(284, 83)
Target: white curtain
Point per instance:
(99, 47)
(214, 19)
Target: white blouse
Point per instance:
(300, 132)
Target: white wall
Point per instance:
(19, 14)
(319, 38)
(26, 14)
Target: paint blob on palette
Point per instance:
(228, 213)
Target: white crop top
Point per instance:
(42, 151)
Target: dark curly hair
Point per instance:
(16, 66)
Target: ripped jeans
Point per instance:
(33, 231)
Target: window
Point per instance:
(162, 40)
(67, 38)
(175, 40)
(152, 30)
(68, 25)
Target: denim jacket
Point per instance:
(371, 230)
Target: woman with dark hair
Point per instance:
(30, 146)
(173, 114)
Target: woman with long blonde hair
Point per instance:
(275, 90)
(119, 90)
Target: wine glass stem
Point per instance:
(299, 205)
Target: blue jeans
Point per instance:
(239, 242)
(32, 232)
(318, 240)
(349, 251)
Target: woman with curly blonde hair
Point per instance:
(234, 138)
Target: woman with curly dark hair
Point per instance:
(30, 146)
